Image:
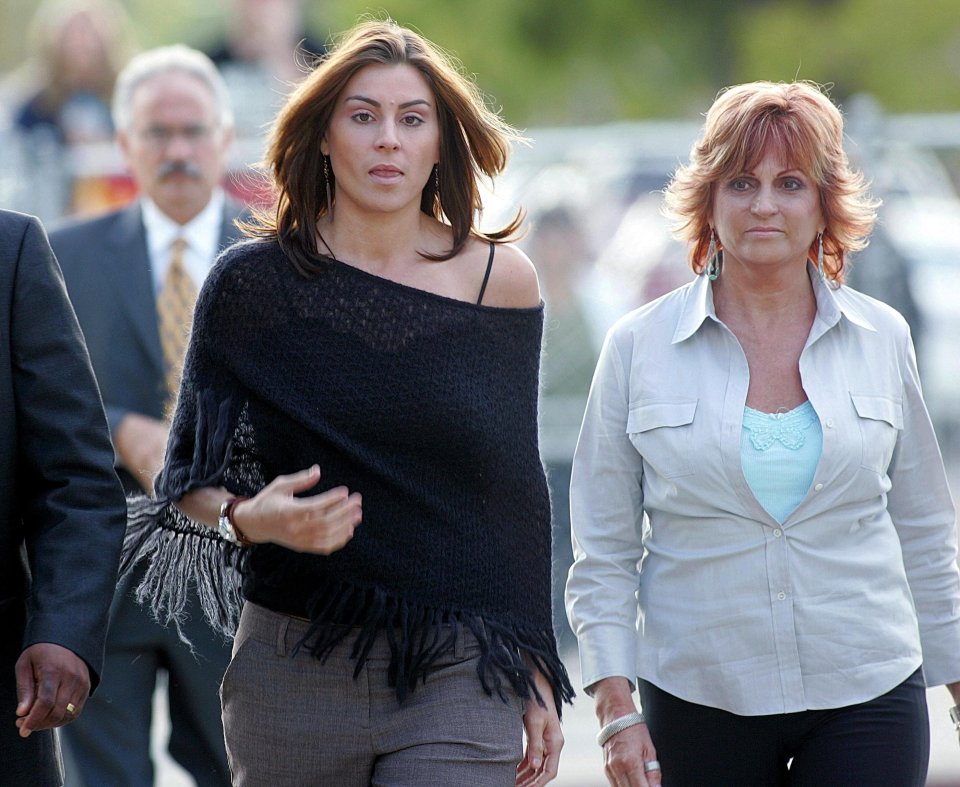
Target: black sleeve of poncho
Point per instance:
(177, 552)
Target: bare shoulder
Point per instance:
(513, 282)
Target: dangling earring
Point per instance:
(820, 270)
(326, 183)
(714, 258)
(436, 179)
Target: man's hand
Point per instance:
(53, 683)
(141, 444)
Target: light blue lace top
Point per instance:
(779, 454)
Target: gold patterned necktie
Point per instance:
(175, 312)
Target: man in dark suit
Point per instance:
(62, 512)
(133, 275)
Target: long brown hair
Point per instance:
(795, 120)
(474, 142)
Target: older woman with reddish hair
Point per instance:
(764, 539)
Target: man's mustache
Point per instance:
(187, 168)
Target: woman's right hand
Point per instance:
(320, 524)
(626, 752)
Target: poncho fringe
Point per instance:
(208, 433)
(179, 554)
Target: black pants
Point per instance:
(109, 745)
(34, 760)
(879, 743)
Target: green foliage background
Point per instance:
(554, 62)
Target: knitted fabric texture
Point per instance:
(425, 405)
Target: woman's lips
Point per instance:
(386, 173)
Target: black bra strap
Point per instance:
(486, 276)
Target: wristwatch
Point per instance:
(955, 718)
(228, 530)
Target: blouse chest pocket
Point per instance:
(880, 419)
(662, 432)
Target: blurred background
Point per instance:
(611, 95)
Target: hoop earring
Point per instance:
(820, 269)
(326, 184)
(714, 258)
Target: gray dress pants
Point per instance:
(291, 720)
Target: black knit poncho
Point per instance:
(425, 405)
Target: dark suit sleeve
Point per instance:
(71, 501)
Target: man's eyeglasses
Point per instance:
(161, 136)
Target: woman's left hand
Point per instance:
(954, 689)
(541, 758)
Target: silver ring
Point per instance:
(653, 765)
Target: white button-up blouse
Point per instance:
(683, 579)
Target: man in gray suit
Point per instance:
(133, 276)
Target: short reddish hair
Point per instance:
(798, 122)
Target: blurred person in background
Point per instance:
(882, 271)
(764, 536)
(557, 240)
(78, 48)
(133, 275)
(265, 52)
(62, 512)
(58, 156)
(640, 261)
(270, 36)
(370, 355)
(898, 173)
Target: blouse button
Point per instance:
(781, 595)
(818, 487)
(778, 532)
(829, 423)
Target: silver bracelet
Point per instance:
(619, 725)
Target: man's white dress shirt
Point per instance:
(201, 233)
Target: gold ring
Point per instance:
(71, 708)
